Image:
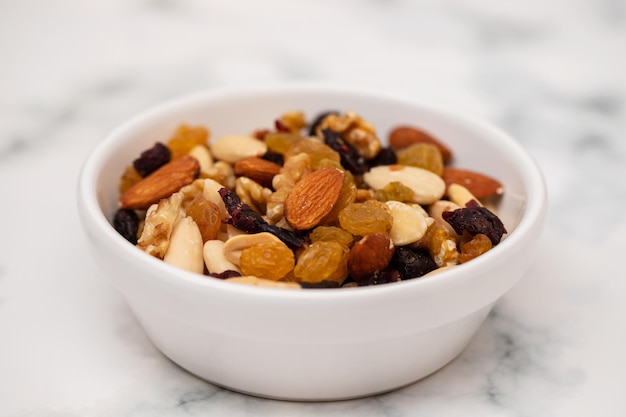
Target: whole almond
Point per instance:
(480, 185)
(370, 254)
(313, 197)
(257, 169)
(404, 136)
(161, 183)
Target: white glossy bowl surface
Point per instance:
(324, 344)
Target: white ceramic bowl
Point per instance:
(323, 344)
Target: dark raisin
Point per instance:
(229, 273)
(475, 219)
(274, 157)
(126, 222)
(387, 156)
(350, 157)
(412, 263)
(152, 159)
(321, 284)
(318, 121)
(243, 217)
(380, 277)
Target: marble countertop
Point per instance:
(551, 73)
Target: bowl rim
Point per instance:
(92, 216)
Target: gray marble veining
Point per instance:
(552, 74)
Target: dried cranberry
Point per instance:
(380, 277)
(152, 159)
(387, 156)
(126, 222)
(281, 127)
(229, 273)
(475, 219)
(243, 217)
(350, 157)
(412, 263)
(318, 121)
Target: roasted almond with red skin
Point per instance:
(257, 169)
(404, 136)
(161, 183)
(313, 197)
(480, 185)
(370, 254)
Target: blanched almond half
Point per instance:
(427, 187)
(409, 224)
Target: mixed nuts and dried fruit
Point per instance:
(307, 205)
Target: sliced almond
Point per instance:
(313, 197)
(257, 169)
(480, 185)
(161, 183)
(370, 254)
(403, 136)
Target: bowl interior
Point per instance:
(475, 145)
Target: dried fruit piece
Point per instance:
(185, 138)
(480, 185)
(422, 155)
(369, 255)
(403, 136)
(161, 183)
(475, 219)
(317, 122)
(313, 197)
(381, 277)
(477, 246)
(245, 218)
(152, 159)
(394, 191)
(356, 131)
(129, 178)
(386, 156)
(350, 158)
(317, 150)
(280, 142)
(206, 215)
(322, 261)
(412, 263)
(365, 218)
(270, 260)
(332, 234)
(126, 222)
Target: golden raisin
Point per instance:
(185, 138)
(479, 244)
(206, 214)
(332, 234)
(317, 150)
(361, 219)
(280, 142)
(129, 178)
(394, 191)
(269, 260)
(322, 261)
(422, 155)
(346, 197)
